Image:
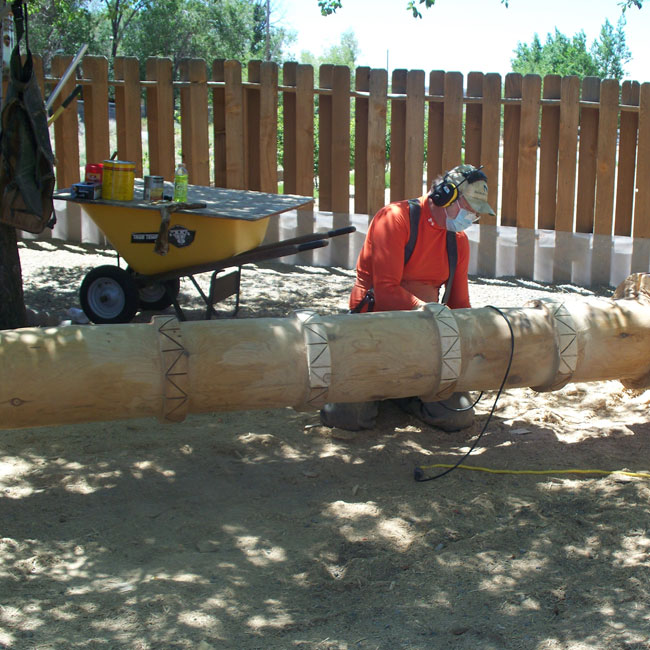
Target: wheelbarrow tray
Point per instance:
(233, 221)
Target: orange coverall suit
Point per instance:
(398, 287)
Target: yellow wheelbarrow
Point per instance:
(216, 229)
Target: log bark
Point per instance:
(168, 369)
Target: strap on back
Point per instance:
(414, 215)
(452, 249)
(452, 255)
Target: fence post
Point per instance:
(641, 248)
(96, 121)
(128, 110)
(436, 126)
(511, 126)
(452, 130)
(160, 117)
(473, 119)
(629, 125)
(587, 155)
(219, 124)
(195, 141)
(235, 170)
(376, 153)
(605, 175)
(398, 136)
(548, 153)
(361, 118)
(527, 176)
(298, 156)
(489, 158)
(566, 178)
(269, 127)
(414, 134)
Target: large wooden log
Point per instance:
(168, 369)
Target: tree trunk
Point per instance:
(12, 303)
(168, 369)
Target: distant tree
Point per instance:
(345, 52)
(610, 52)
(62, 27)
(565, 55)
(328, 7)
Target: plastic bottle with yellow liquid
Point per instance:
(180, 183)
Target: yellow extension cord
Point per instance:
(538, 472)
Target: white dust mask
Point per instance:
(462, 221)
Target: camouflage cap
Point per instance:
(472, 185)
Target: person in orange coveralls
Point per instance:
(388, 281)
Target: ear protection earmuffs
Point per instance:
(446, 192)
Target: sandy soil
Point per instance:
(261, 529)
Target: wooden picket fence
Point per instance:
(561, 155)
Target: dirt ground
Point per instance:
(261, 529)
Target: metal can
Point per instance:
(153, 188)
(117, 181)
(94, 173)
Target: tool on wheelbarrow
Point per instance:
(66, 102)
(66, 75)
(161, 247)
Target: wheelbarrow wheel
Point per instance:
(108, 295)
(159, 295)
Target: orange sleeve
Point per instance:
(385, 254)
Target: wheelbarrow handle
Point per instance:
(311, 245)
(341, 231)
(312, 236)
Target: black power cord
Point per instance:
(418, 472)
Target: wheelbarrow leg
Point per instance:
(223, 287)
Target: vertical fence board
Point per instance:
(289, 127)
(527, 176)
(398, 136)
(305, 131)
(325, 76)
(528, 142)
(436, 126)
(96, 121)
(548, 153)
(128, 111)
(605, 176)
(219, 124)
(252, 107)
(511, 127)
(361, 106)
(160, 117)
(626, 160)
(491, 139)
(377, 105)
(453, 121)
(642, 200)
(587, 156)
(235, 172)
(567, 155)
(606, 160)
(341, 139)
(95, 96)
(490, 142)
(414, 134)
(474, 119)
(194, 121)
(66, 146)
(269, 128)
(566, 178)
